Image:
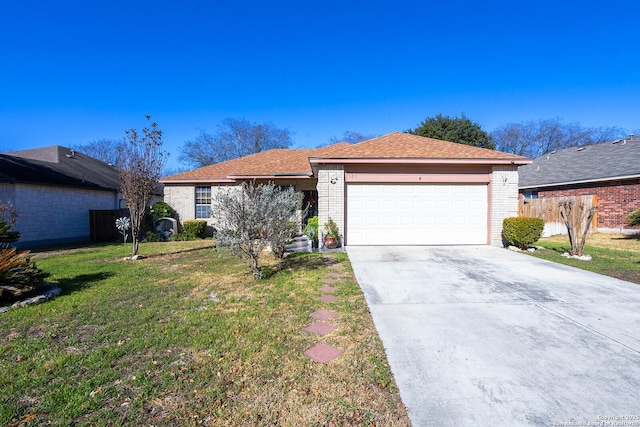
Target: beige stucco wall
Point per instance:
(53, 215)
(503, 199)
(331, 195)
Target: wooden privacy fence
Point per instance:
(102, 225)
(547, 209)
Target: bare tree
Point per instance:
(235, 138)
(141, 161)
(577, 222)
(352, 137)
(101, 149)
(534, 138)
(250, 217)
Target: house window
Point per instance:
(203, 202)
(530, 194)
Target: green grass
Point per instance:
(143, 343)
(618, 263)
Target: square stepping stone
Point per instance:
(320, 328)
(328, 298)
(323, 314)
(328, 281)
(322, 353)
(335, 274)
(328, 289)
(335, 267)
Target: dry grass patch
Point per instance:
(144, 343)
(615, 255)
(622, 242)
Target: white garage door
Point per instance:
(410, 214)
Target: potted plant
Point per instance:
(311, 230)
(332, 235)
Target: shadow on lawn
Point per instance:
(300, 261)
(81, 282)
(183, 251)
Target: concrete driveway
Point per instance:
(479, 335)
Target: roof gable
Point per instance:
(600, 162)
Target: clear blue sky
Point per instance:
(76, 71)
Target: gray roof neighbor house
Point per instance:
(607, 161)
(54, 189)
(58, 166)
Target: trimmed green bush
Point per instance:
(194, 228)
(633, 218)
(522, 231)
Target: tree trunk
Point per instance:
(255, 267)
(135, 246)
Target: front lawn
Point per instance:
(614, 255)
(188, 337)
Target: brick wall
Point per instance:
(53, 215)
(615, 200)
(331, 195)
(504, 199)
(182, 198)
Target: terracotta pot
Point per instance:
(331, 242)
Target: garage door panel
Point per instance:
(416, 214)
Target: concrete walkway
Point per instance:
(483, 336)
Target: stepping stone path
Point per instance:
(324, 353)
(320, 328)
(328, 298)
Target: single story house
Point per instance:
(53, 189)
(397, 189)
(610, 171)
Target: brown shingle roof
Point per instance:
(399, 145)
(274, 162)
(295, 162)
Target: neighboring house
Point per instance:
(397, 189)
(609, 170)
(53, 189)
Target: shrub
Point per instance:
(17, 272)
(152, 236)
(251, 216)
(161, 210)
(633, 218)
(522, 231)
(311, 229)
(194, 228)
(156, 211)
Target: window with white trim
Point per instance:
(203, 202)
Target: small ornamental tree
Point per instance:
(250, 217)
(577, 219)
(141, 161)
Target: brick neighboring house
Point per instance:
(53, 188)
(396, 189)
(609, 170)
